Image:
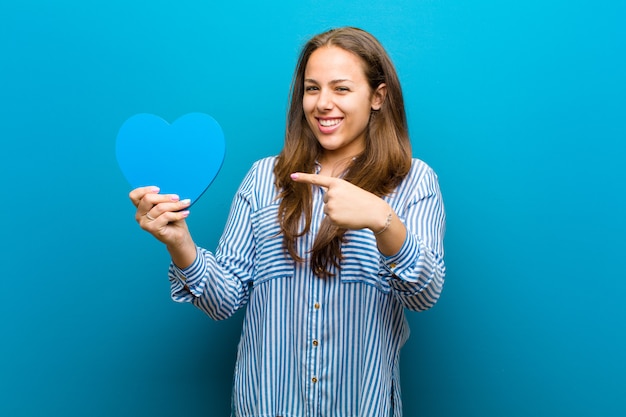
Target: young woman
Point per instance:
(326, 244)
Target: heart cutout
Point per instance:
(181, 158)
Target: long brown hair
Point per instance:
(382, 165)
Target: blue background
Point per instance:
(520, 107)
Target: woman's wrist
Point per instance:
(381, 218)
(183, 254)
(386, 225)
(390, 232)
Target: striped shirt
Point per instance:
(309, 346)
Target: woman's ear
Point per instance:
(378, 98)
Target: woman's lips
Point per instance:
(328, 125)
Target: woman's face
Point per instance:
(338, 100)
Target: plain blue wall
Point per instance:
(519, 106)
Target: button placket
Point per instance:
(316, 287)
(315, 341)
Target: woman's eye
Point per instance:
(342, 89)
(310, 88)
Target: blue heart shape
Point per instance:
(180, 158)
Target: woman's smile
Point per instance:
(329, 125)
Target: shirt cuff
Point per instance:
(404, 260)
(190, 278)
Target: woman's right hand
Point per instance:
(163, 216)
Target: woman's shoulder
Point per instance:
(266, 164)
(421, 180)
(263, 168)
(420, 169)
(259, 184)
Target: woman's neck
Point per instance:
(335, 167)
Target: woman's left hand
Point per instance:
(347, 205)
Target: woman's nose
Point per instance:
(324, 100)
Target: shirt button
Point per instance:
(314, 380)
(315, 343)
(317, 306)
(393, 265)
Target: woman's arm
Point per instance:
(218, 284)
(417, 271)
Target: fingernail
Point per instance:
(185, 213)
(174, 197)
(186, 201)
(294, 176)
(155, 189)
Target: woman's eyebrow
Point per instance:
(338, 81)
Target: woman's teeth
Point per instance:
(329, 122)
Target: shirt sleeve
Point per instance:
(218, 284)
(416, 273)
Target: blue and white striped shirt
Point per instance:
(309, 346)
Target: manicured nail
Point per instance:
(185, 213)
(155, 189)
(185, 202)
(294, 176)
(174, 197)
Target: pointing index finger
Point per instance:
(313, 179)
